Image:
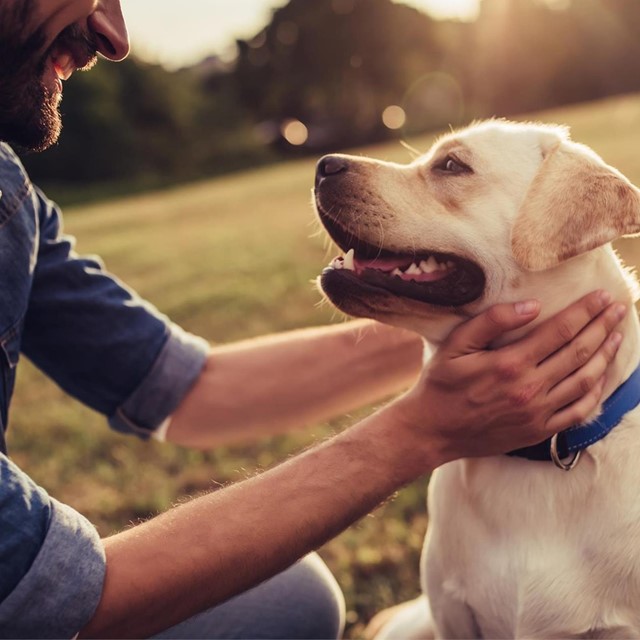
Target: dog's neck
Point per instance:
(579, 278)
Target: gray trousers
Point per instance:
(304, 601)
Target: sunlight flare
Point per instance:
(447, 9)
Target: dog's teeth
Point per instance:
(430, 265)
(413, 270)
(349, 260)
(337, 264)
(396, 272)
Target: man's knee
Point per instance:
(303, 602)
(317, 603)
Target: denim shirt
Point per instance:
(106, 347)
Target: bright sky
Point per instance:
(178, 33)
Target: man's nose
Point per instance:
(108, 25)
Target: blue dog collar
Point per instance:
(574, 440)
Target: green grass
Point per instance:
(232, 258)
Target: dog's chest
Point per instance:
(533, 551)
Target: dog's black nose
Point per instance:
(331, 166)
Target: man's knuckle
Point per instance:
(582, 353)
(565, 330)
(587, 383)
(508, 368)
(530, 416)
(522, 396)
(608, 354)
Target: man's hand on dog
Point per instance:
(480, 401)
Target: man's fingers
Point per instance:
(587, 377)
(577, 412)
(579, 351)
(557, 331)
(478, 333)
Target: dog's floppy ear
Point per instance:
(575, 203)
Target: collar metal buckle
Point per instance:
(567, 464)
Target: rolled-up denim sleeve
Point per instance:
(171, 376)
(52, 562)
(100, 341)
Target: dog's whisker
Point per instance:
(413, 152)
(329, 249)
(381, 245)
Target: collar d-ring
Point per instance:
(567, 464)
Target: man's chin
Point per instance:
(36, 141)
(36, 130)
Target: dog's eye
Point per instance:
(453, 166)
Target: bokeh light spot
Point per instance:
(259, 41)
(356, 61)
(295, 132)
(394, 117)
(288, 33)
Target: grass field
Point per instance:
(233, 258)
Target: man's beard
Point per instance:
(29, 109)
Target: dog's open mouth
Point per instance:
(431, 277)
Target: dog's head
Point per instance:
(477, 220)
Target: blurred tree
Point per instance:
(138, 123)
(336, 65)
(97, 140)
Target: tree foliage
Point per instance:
(336, 65)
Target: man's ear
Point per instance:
(575, 203)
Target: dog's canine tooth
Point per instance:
(349, 260)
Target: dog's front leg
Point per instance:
(455, 621)
(452, 617)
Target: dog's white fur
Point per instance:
(518, 548)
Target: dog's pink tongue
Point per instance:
(382, 264)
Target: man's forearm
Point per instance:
(272, 385)
(203, 552)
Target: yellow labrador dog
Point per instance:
(501, 212)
